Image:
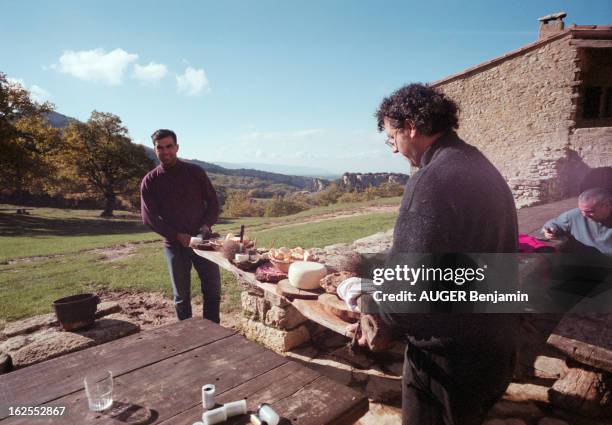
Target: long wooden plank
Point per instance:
(314, 311)
(286, 289)
(323, 401)
(593, 44)
(58, 377)
(309, 308)
(169, 387)
(218, 258)
(269, 387)
(586, 338)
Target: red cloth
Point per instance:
(529, 244)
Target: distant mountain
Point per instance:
(295, 170)
(247, 178)
(59, 120)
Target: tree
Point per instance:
(238, 204)
(103, 157)
(281, 206)
(25, 137)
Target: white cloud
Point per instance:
(38, 93)
(95, 65)
(151, 73)
(193, 82)
(278, 136)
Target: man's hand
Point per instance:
(184, 239)
(550, 232)
(350, 331)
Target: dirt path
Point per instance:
(153, 309)
(378, 209)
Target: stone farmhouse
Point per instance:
(542, 113)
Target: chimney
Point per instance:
(551, 24)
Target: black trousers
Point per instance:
(455, 388)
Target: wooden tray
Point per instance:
(334, 305)
(285, 289)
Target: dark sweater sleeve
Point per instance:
(149, 210)
(425, 225)
(212, 202)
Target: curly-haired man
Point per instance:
(456, 365)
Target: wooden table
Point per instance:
(159, 375)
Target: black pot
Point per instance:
(77, 311)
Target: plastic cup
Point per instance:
(99, 390)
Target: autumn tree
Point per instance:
(101, 155)
(26, 139)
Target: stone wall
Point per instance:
(593, 145)
(519, 112)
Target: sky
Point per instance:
(275, 82)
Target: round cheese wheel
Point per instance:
(306, 274)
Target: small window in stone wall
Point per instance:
(592, 102)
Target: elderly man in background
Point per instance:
(590, 224)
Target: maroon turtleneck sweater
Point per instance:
(178, 199)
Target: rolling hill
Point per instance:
(267, 183)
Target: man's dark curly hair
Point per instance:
(426, 107)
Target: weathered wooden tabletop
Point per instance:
(158, 375)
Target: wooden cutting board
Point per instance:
(286, 289)
(334, 305)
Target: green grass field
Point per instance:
(49, 253)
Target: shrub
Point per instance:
(238, 204)
(280, 206)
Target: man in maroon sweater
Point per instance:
(178, 201)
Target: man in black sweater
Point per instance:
(456, 365)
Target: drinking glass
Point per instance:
(99, 390)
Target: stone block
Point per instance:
(30, 325)
(284, 318)
(110, 328)
(263, 306)
(15, 343)
(48, 345)
(275, 299)
(253, 306)
(549, 367)
(249, 304)
(526, 392)
(275, 339)
(586, 392)
(107, 308)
